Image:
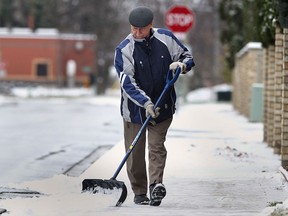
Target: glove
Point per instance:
(174, 65)
(149, 111)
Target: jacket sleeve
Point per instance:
(125, 70)
(179, 52)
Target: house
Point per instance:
(45, 56)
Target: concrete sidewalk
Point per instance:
(217, 165)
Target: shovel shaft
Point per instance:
(142, 129)
(170, 80)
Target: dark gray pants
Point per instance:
(136, 164)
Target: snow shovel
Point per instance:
(109, 185)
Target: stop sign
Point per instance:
(179, 19)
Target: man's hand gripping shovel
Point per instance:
(107, 186)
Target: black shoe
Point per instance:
(141, 199)
(157, 193)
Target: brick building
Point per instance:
(42, 56)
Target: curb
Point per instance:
(9, 193)
(284, 173)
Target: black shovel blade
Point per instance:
(105, 186)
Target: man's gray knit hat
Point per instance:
(141, 16)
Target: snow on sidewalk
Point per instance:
(216, 165)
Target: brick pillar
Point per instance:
(242, 102)
(247, 72)
(266, 78)
(284, 146)
(277, 127)
(270, 95)
(236, 86)
(238, 93)
(246, 88)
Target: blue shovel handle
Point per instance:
(170, 80)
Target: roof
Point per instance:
(43, 33)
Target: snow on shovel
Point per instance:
(105, 187)
(109, 185)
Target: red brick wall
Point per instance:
(21, 55)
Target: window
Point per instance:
(42, 70)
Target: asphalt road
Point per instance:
(40, 138)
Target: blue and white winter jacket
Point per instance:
(142, 66)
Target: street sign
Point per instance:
(179, 19)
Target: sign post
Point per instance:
(179, 19)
